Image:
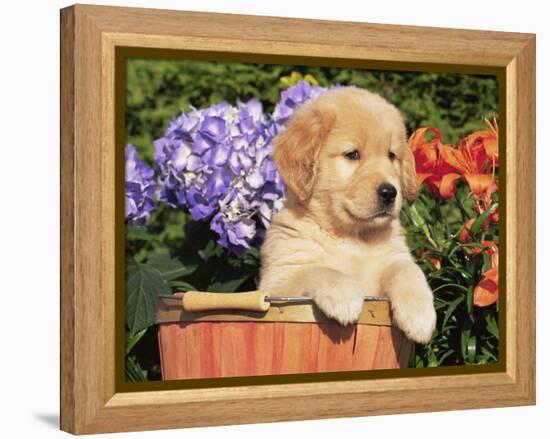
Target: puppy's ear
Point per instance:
(408, 174)
(297, 147)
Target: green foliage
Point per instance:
(159, 90)
(173, 253)
(465, 334)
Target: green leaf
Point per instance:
(487, 262)
(463, 211)
(450, 286)
(470, 302)
(448, 353)
(481, 219)
(211, 250)
(228, 279)
(416, 218)
(489, 354)
(227, 285)
(492, 325)
(452, 306)
(168, 267)
(134, 372)
(471, 349)
(143, 285)
(464, 339)
(182, 285)
(438, 303)
(419, 222)
(460, 271)
(132, 340)
(432, 359)
(140, 233)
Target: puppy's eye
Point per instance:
(391, 156)
(352, 155)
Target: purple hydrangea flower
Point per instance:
(216, 162)
(292, 98)
(140, 187)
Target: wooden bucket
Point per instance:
(288, 338)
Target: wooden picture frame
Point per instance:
(91, 400)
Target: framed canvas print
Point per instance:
(272, 219)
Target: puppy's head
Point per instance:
(345, 157)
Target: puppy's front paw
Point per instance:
(343, 305)
(417, 319)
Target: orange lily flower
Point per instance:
(476, 158)
(436, 262)
(489, 139)
(431, 168)
(486, 291)
(490, 249)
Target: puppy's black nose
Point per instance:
(387, 193)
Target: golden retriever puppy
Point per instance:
(347, 166)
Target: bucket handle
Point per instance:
(198, 301)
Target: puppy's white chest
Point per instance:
(362, 262)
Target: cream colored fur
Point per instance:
(328, 242)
